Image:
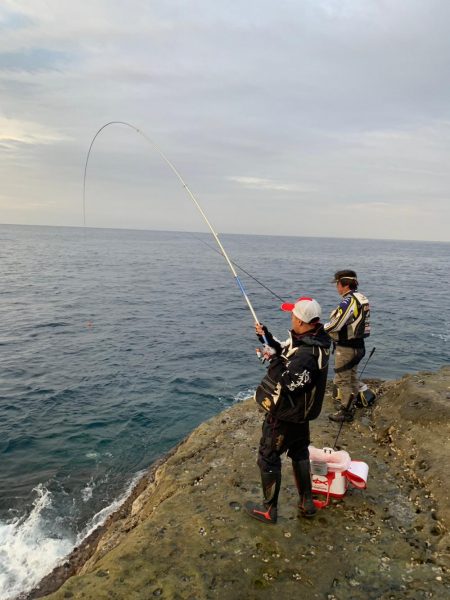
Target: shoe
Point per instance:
(346, 412)
(342, 416)
(267, 513)
(337, 404)
(306, 507)
(261, 513)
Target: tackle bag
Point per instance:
(332, 471)
(365, 398)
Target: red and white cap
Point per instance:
(305, 309)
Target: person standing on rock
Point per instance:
(349, 325)
(292, 394)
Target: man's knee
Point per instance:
(297, 454)
(269, 463)
(268, 458)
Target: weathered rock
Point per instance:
(183, 534)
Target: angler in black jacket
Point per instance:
(292, 394)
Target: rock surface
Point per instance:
(183, 533)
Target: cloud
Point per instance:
(14, 131)
(336, 99)
(11, 20)
(258, 183)
(7, 205)
(32, 60)
(389, 210)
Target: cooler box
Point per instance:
(332, 471)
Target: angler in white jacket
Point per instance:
(348, 326)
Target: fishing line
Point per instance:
(240, 268)
(188, 191)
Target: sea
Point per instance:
(116, 344)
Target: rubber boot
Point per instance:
(346, 413)
(336, 397)
(302, 476)
(271, 483)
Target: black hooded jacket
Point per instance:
(294, 386)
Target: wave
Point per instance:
(51, 324)
(29, 550)
(243, 395)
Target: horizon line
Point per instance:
(225, 233)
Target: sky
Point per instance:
(290, 117)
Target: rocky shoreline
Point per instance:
(182, 533)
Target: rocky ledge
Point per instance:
(183, 533)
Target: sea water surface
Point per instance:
(115, 344)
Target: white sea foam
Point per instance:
(103, 514)
(442, 336)
(444, 332)
(224, 401)
(244, 394)
(28, 552)
(87, 491)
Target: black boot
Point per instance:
(342, 416)
(271, 483)
(346, 413)
(302, 475)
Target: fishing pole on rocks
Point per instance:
(190, 194)
(352, 398)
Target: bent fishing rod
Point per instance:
(190, 194)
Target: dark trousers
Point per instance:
(279, 437)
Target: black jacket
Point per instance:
(294, 386)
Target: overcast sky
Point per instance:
(292, 117)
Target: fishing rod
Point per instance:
(368, 358)
(352, 397)
(190, 194)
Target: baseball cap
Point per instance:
(305, 309)
(344, 274)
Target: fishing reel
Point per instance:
(266, 354)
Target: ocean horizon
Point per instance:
(228, 233)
